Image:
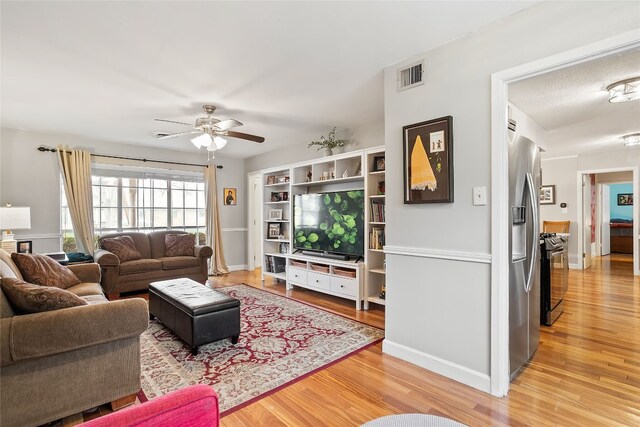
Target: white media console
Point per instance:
(334, 277)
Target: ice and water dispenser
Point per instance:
(518, 233)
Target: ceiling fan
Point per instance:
(211, 131)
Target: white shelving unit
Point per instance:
(375, 280)
(342, 172)
(277, 223)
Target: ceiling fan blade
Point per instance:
(173, 121)
(246, 136)
(227, 124)
(163, 135)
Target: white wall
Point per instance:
(425, 295)
(31, 178)
(528, 127)
(562, 173)
(362, 136)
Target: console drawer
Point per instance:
(319, 281)
(297, 275)
(345, 286)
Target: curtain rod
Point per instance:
(43, 149)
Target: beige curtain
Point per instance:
(214, 238)
(75, 166)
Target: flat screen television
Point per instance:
(331, 222)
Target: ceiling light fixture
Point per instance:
(631, 139)
(624, 90)
(203, 140)
(219, 142)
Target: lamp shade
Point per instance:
(13, 218)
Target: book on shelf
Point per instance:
(377, 210)
(274, 264)
(376, 238)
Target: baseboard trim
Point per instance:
(451, 370)
(574, 266)
(238, 267)
(439, 254)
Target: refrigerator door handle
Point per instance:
(534, 239)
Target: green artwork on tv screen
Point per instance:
(331, 222)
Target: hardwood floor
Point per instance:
(586, 371)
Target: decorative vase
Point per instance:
(338, 150)
(326, 151)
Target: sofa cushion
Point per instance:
(122, 247)
(179, 245)
(140, 266)
(84, 289)
(175, 262)
(44, 271)
(6, 258)
(29, 298)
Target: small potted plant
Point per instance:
(330, 145)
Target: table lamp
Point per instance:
(14, 218)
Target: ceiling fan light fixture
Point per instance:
(203, 140)
(219, 142)
(631, 139)
(624, 90)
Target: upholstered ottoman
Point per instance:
(196, 313)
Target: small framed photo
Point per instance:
(548, 195)
(625, 199)
(24, 247)
(274, 231)
(230, 196)
(378, 164)
(271, 179)
(275, 214)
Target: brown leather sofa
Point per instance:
(118, 277)
(57, 363)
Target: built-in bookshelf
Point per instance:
(357, 170)
(375, 280)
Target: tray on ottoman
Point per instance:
(196, 313)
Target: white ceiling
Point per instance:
(289, 71)
(571, 104)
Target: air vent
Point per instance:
(411, 76)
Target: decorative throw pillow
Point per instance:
(29, 298)
(179, 245)
(44, 271)
(122, 247)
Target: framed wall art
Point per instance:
(625, 199)
(548, 195)
(428, 161)
(230, 196)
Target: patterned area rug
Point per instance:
(281, 341)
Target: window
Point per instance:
(141, 204)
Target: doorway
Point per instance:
(499, 189)
(254, 235)
(603, 225)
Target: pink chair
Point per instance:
(193, 406)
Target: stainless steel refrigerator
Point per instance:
(524, 270)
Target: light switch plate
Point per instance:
(479, 196)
